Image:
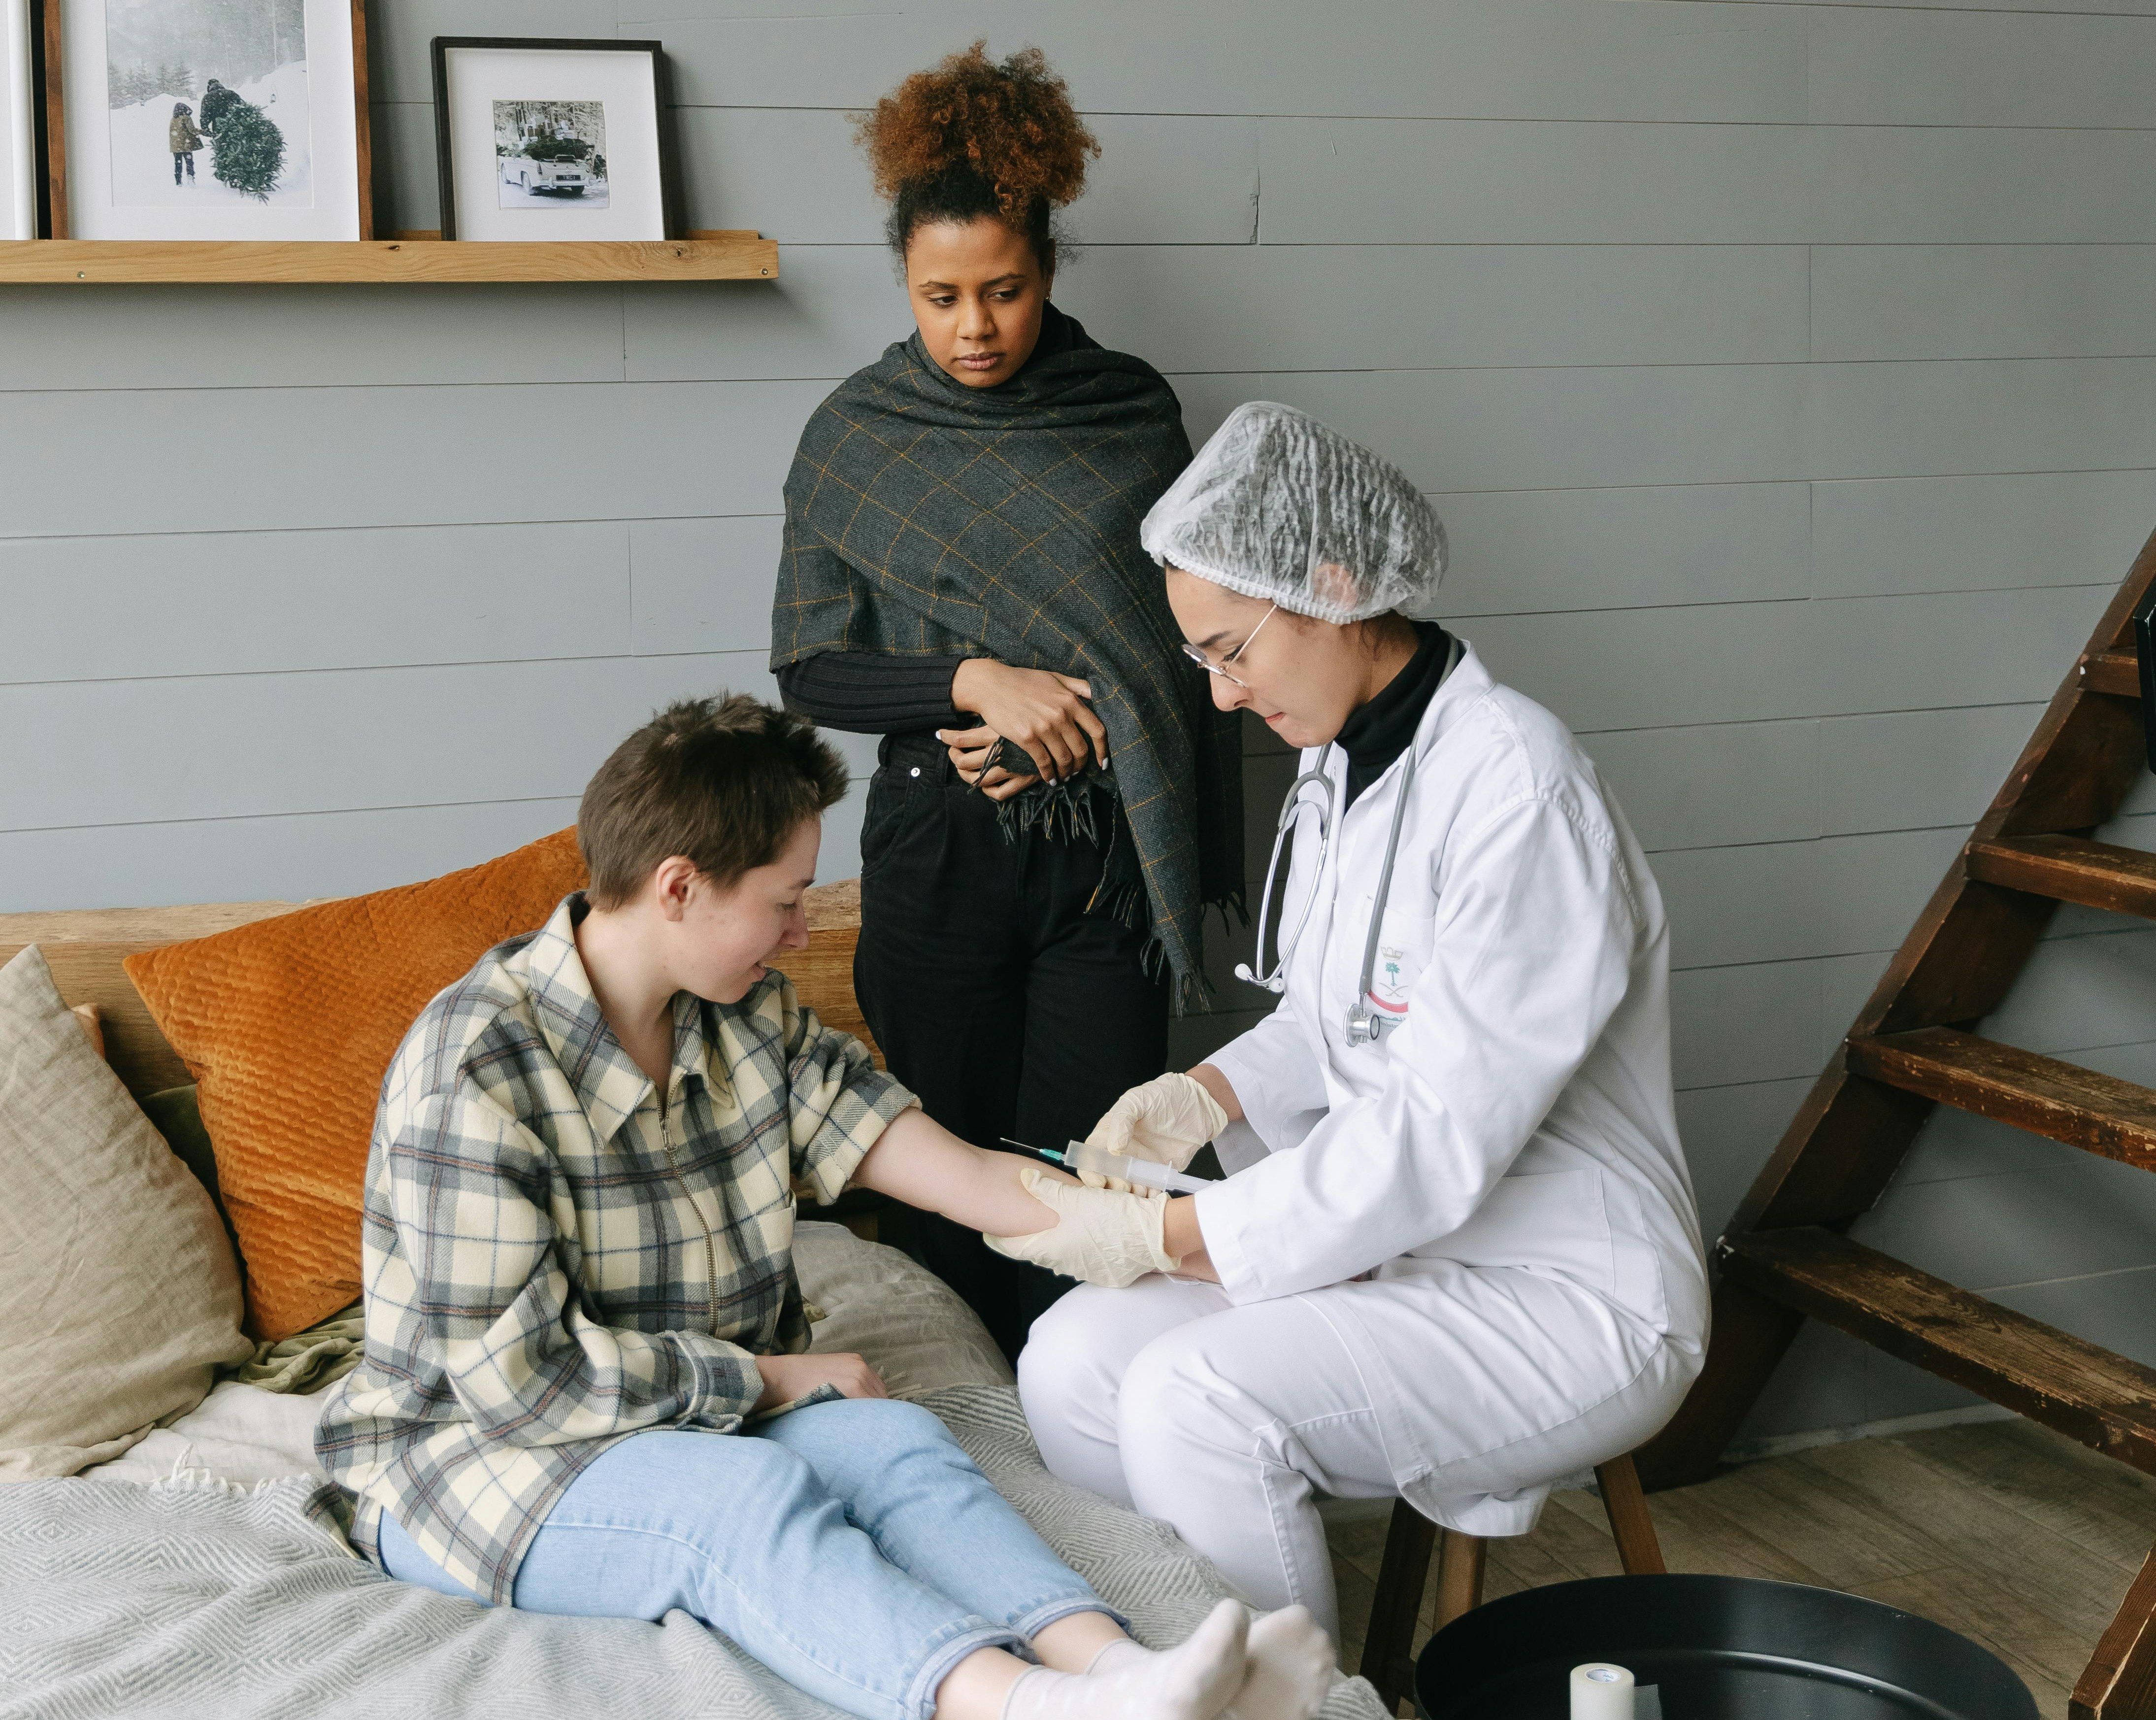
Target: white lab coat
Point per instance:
(1516, 1113)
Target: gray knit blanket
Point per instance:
(207, 1599)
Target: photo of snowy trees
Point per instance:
(209, 102)
(550, 154)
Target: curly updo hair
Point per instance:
(973, 138)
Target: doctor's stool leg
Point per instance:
(1388, 1656)
(1387, 1645)
(1639, 1549)
(1461, 1560)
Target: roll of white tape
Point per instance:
(1601, 1691)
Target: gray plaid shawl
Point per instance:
(924, 517)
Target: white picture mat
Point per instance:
(334, 154)
(18, 152)
(476, 77)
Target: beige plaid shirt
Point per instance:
(554, 1260)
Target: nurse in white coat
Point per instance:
(1457, 1258)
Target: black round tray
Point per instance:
(1714, 1648)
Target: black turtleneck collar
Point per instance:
(1378, 733)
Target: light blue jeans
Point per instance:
(851, 1547)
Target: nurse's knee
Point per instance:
(1069, 1358)
(1175, 1395)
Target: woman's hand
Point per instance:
(969, 750)
(1048, 714)
(1165, 1120)
(1099, 1236)
(786, 1377)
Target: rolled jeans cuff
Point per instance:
(1068, 1606)
(919, 1701)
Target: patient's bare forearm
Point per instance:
(920, 1162)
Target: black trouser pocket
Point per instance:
(893, 802)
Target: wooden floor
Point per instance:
(2003, 1531)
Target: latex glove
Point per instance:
(1165, 1120)
(1099, 1236)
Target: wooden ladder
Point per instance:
(1785, 1255)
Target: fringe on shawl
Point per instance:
(1075, 808)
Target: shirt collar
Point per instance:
(609, 1084)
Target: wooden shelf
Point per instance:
(701, 256)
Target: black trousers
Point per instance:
(1005, 1006)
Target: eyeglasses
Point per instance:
(1221, 668)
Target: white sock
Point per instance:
(1117, 1655)
(1195, 1682)
(1292, 1667)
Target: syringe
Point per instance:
(1079, 1156)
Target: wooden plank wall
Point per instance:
(1784, 372)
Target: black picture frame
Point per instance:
(662, 106)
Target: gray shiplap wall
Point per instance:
(1786, 374)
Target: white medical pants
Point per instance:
(1227, 1422)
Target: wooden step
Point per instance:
(2097, 875)
(2112, 672)
(2097, 1112)
(2088, 1393)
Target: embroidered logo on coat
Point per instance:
(1389, 984)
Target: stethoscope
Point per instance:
(1363, 1022)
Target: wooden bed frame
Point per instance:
(85, 948)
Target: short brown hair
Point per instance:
(724, 782)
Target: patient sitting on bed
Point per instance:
(586, 1387)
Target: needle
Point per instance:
(1053, 1156)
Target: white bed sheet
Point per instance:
(239, 1433)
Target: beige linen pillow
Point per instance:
(119, 1293)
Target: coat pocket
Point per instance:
(1405, 941)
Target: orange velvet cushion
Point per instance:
(288, 1025)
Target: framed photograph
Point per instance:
(540, 138)
(18, 137)
(211, 119)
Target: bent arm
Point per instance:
(491, 1278)
(920, 1162)
(1276, 1072)
(1534, 942)
(873, 692)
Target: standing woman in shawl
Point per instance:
(1056, 801)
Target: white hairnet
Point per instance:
(1280, 508)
